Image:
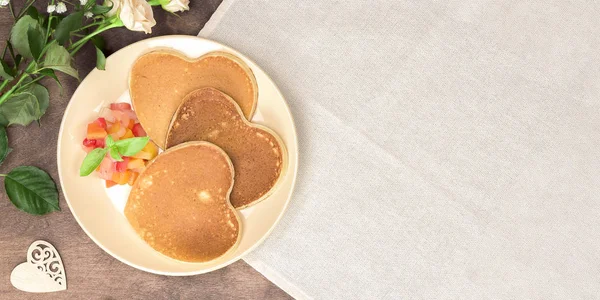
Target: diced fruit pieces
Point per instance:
(110, 183)
(121, 122)
(95, 131)
(133, 178)
(120, 106)
(121, 166)
(138, 130)
(116, 131)
(149, 152)
(106, 169)
(135, 164)
(122, 178)
(101, 122)
(128, 134)
(98, 143)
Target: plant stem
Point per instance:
(50, 17)
(3, 175)
(77, 45)
(29, 83)
(25, 8)
(87, 26)
(5, 97)
(4, 84)
(12, 12)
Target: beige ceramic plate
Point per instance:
(99, 211)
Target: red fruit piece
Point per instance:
(100, 143)
(101, 122)
(120, 106)
(121, 166)
(138, 130)
(89, 143)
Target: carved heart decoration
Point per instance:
(42, 272)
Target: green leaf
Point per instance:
(109, 141)
(36, 42)
(31, 190)
(4, 149)
(50, 73)
(59, 59)
(100, 59)
(70, 23)
(19, 37)
(32, 11)
(6, 71)
(18, 59)
(27, 106)
(92, 161)
(100, 9)
(98, 41)
(131, 146)
(114, 153)
(3, 121)
(20, 109)
(43, 97)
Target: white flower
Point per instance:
(61, 8)
(51, 8)
(116, 4)
(4, 2)
(176, 5)
(88, 14)
(136, 14)
(83, 2)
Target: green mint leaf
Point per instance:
(36, 42)
(70, 23)
(59, 59)
(27, 106)
(19, 37)
(100, 9)
(109, 141)
(92, 161)
(100, 59)
(31, 190)
(4, 149)
(131, 146)
(114, 153)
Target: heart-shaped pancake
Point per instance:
(180, 204)
(159, 80)
(257, 153)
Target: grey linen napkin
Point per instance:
(448, 149)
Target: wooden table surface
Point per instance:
(92, 273)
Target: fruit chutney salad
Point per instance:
(118, 147)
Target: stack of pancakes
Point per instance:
(185, 204)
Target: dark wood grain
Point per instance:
(92, 273)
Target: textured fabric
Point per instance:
(448, 149)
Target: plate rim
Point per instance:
(294, 173)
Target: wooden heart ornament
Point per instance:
(42, 272)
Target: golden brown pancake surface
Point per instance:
(180, 203)
(257, 153)
(159, 80)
